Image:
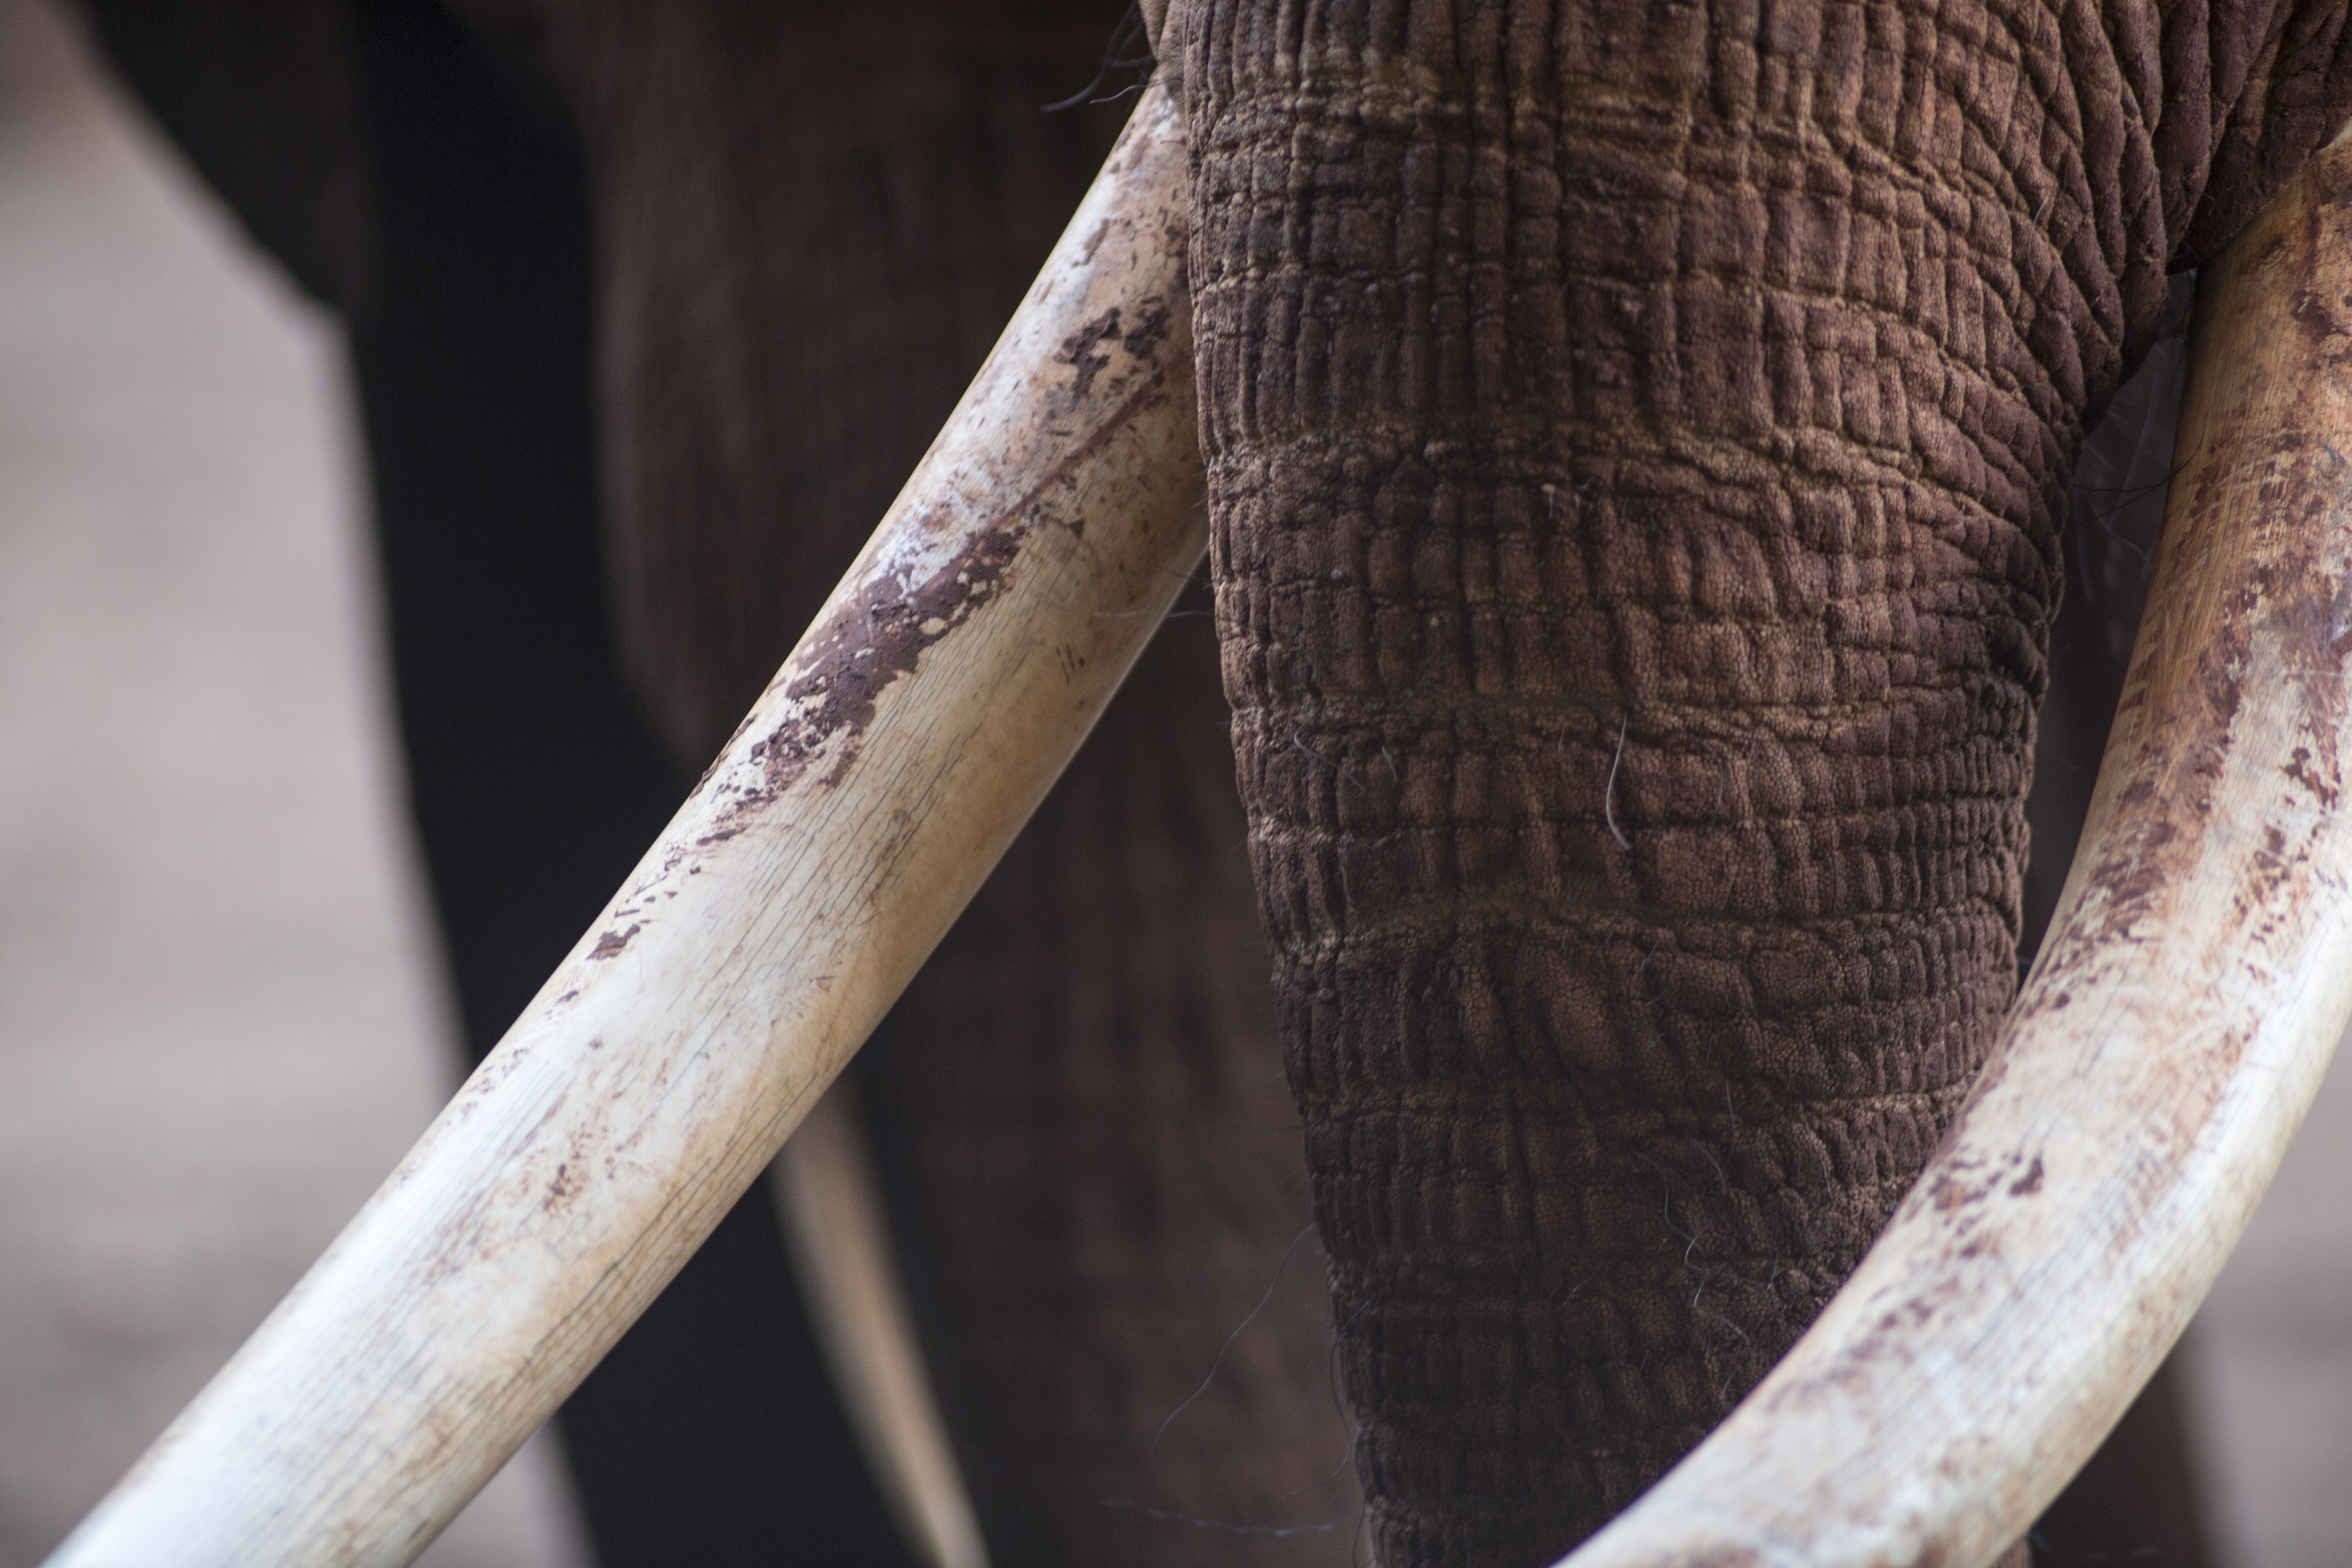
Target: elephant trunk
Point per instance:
(1634, 444)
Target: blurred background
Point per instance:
(221, 1010)
(220, 1015)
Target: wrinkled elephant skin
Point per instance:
(1636, 442)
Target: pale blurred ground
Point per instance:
(2274, 1373)
(219, 1023)
(219, 1018)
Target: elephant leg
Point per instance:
(814, 222)
(711, 1433)
(1080, 1112)
(412, 178)
(1634, 441)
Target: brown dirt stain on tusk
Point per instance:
(566, 1186)
(1964, 1184)
(612, 942)
(1078, 350)
(2300, 770)
(868, 644)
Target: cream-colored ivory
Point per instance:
(839, 1238)
(848, 821)
(2171, 1034)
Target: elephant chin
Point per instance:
(1635, 440)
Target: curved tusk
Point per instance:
(948, 679)
(839, 1238)
(2169, 1038)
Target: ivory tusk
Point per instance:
(839, 1238)
(945, 683)
(2170, 1037)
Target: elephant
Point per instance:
(1636, 441)
(1109, 989)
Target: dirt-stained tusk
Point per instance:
(912, 732)
(830, 1207)
(2171, 1037)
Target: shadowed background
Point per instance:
(221, 1019)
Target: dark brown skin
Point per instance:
(1635, 453)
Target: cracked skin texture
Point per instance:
(1636, 437)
